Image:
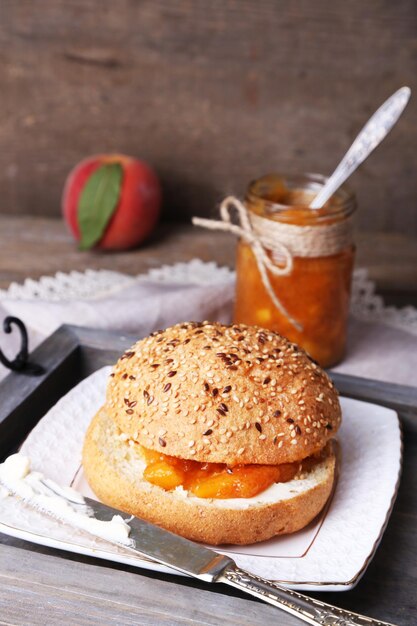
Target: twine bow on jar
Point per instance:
(275, 243)
(255, 231)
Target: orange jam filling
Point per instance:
(213, 480)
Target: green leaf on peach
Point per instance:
(98, 202)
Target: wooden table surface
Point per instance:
(33, 247)
(69, 589)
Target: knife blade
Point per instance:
(152, 542)
(157, 544)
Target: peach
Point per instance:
(137, 200)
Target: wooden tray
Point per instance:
(72, 353)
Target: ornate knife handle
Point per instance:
(305, 608)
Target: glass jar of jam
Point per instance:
(315, 293)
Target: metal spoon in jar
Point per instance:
(371, 135)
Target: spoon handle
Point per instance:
(371, 135)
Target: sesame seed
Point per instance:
(293, 441)
(241, 451)
(171, 373)
(162, 442)
(262, 437)
(208, 432)
(258, 427)
(167, 387)
(191, 443)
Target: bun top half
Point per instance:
(223, 394)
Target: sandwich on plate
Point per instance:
(222, 434)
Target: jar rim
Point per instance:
(309, 181)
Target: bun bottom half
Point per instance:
(114, 471)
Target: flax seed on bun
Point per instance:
(223, 394)
(233, 395)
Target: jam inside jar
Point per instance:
(317, 291)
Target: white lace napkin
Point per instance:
(382, 340)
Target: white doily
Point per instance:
(366, 305)
(87, 285)
(94, 284)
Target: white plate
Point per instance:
(331, 554)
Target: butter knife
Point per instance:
(152, 542)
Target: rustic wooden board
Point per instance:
(52, 589)
(212, 94)
(33, 247)
(56, 587)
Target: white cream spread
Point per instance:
(63, 503)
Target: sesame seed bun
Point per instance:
(114, 470)
(226, 394)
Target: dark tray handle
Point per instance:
(20, 363)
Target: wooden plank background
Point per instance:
(211, 93)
